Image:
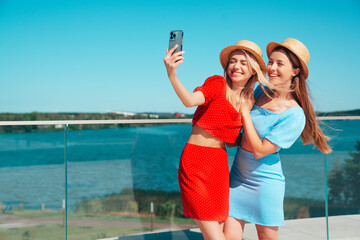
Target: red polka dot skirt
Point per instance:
(204, 183)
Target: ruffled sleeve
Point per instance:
(288, 128)
(212, 87)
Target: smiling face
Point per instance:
(238, 69)
(280, 69)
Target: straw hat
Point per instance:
(297, 48)
(243, 45)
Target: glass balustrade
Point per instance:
(81, 182)
(32, 184)
(343, 178)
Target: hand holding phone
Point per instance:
(171, 61)
(176, 38)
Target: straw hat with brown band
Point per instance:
(297, 48)
(243, 45)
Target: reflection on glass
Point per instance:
(303, 168)
(155, 163)
(343, 173)
(124, 181)
(344, 178)
(32, 185)
(99, 169)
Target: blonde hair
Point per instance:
(249, 86)
(312, 132)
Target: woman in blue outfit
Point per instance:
(277, 118)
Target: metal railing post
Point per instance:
(66, 177)
(326, 199)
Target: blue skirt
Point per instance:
(257, 188)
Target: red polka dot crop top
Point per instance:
(217, 116)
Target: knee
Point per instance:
(233, 236)
(233, 229)
(264, 237)
(220, 237)
(267, 233)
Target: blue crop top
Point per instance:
(282, 128)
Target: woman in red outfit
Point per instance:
(203, 171)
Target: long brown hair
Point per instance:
(312, 132)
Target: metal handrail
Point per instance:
(135, 121)
(78, 122)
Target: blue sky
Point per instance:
(95, 56)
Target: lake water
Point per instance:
(101, 162)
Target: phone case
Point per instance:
(176, 37)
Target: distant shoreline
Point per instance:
(46, 116)
(355, 112)
(38, 116)
(7, 116)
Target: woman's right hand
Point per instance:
(247, 104)
(171, 60)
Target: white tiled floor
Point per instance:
(345, 227)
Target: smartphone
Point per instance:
(176, 37)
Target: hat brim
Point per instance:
(225, 54)
(271, 46)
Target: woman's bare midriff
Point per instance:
(201, 137)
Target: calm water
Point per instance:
(102, 162)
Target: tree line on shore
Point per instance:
(37, 116)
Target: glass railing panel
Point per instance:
(32, 183)
(304, 172)
(123, 180)
(344, 179)
(155, 163)
(305, 190)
